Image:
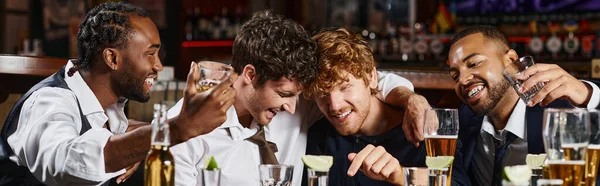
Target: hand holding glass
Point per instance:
(512, 72)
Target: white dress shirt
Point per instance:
(238, 158)
(517, 150)
(47, 139)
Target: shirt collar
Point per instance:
(515, 125)
(88, 102)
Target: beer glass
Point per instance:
(415, 176)
(317, 177)
(212, 73)
(593, 151)
(566, 134)
(275, 175)
(441, 132)
(512, 71)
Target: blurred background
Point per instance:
(409, 37)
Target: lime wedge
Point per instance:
(518, 174)
(212, 164)
(322, 163)
(438, 162)
(535, 160)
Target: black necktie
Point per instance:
(500, 152)
(266, 148)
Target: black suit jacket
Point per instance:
(470, 127)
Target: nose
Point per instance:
(290, 105)
(157, 65)
(465, 78)
(335, 103)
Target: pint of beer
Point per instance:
(592, 160)
(569, 171)
(566, 137)
(441, 132)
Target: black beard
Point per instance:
(133, 88)
(496, 93)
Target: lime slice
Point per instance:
(438, 162)
(535, 160)
(518, 174)
(212, 164)
(322, 163)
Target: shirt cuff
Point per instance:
(595, 99)
(85, 158)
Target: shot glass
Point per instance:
(415, 176)
(212, 73)
(512, 71)
(210, 177)
(275, 175)
(438, 177)
(317, 177)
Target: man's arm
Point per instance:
(210, 107)
(398, 92)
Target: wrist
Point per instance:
(177, 134)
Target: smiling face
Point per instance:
(476, 65)
(347, 104)
(264, 102)
(139, 61)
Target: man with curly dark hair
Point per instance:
(70, 129)
(275, 59)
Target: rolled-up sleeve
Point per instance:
(47, 141)
(388, 81)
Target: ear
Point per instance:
(249, 74)
(373, 79)
(112, 58)
(509, 57)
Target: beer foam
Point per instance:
(594, 146)
(442, 136)
(574, 145)
(566, 162)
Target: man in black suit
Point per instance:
(497, 128)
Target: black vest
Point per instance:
(10, 172)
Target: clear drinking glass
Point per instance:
(212, 73)
(415, 176)
(210, 177)
(592, 159)
(536, 174)
(438, 177)
(317, 177)
(275, 175)
(512, 71)
(566, 134)
(441, 133)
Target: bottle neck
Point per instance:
(160, 128)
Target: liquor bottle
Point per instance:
(160, 166)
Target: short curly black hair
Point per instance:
(276, 47)
(105, 26)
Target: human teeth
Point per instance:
(343, 114)
(150, 81)
(476, 90)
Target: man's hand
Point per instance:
(129, 171)
(559, 85)
(202, 112)
(414, 116)
(377, 164)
